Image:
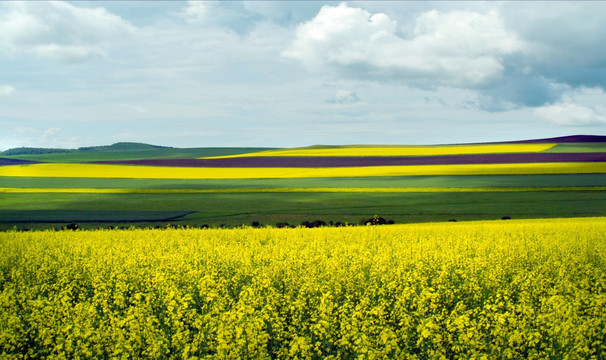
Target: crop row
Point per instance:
(157, 172)
(401, 150)
(352, 161)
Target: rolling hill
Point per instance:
(147, 184)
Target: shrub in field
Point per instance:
(507, 290)
(72, 226)
(376, 220)
(313, 224)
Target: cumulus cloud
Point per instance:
(518, 89)
(567, 39)
(345, 97)
(580, 107)
(58, 30)
(511, 55)
(243, 16)
(196, 11)
(232, 15)
(459, 48)
(571, 114)
(6, 90)
(51, 131)
(38, 137)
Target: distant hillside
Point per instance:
(120, 146)
(122, 151)
(123, 146)
(564, 139)
(168, 151)
(34, 151)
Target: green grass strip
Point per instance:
(305, 190)
(447, 181)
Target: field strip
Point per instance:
(302, 190)
(401, 150)
(155, 172)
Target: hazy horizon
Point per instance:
(304, 146)
(298, 73)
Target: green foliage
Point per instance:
(376, 220)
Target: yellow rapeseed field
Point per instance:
(156, 172)
(401, 150)
(533, 289)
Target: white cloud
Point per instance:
(563, 33)
(458, 48)
(567, 113)
(345, 97)
(576, 108)
(58, 30)
(65, 52)
(232, 15)
(243, 16)
(196, 11)
(212, 67)
(35, 137)
(6, 90)
(51, 131)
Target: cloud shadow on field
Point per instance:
(214, 208)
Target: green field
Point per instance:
(85, 216)
(578, 148)
(29, 209)
(294, 208)
(161, 153)
(408, 181)
(188, 153)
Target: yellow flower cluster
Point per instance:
(401, 150)
(158, 172)
(531, 289)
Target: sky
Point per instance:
(290, 73)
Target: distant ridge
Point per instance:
(563, 139)
(134, 146)
(34, 151)
(119, 146)
(122, 146)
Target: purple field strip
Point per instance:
(563, 139)
(5, 161)
(311, 162)
(553, 140)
